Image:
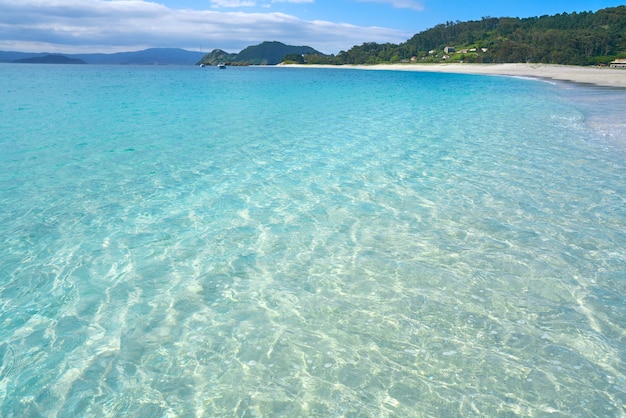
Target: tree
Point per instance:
(294, 58)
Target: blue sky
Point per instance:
(73, 26)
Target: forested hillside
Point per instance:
(266, 53)
(570, 38)
(271, 53)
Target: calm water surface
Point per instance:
(301, 242)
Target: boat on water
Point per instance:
(221, 65)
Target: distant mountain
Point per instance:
(10, 56)
(49, 59)
(266, 53)
(153, 56)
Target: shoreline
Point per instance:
(604, 77)
(601, 117)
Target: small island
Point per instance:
(50, 59)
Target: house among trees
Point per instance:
(448, 50)
(618, 63)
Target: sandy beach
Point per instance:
(607, 77)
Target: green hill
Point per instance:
(585, 38)
(216, 56)
(266, 53)
(271, 53)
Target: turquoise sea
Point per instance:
(286, 242)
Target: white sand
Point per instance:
(608, 77)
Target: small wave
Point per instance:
(8, 362)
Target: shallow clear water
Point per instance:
(304, 242)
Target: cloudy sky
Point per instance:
(73, 26)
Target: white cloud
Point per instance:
(293, 1)
(250, 3)
(232, 3)
(123, 25)
(399, 4)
